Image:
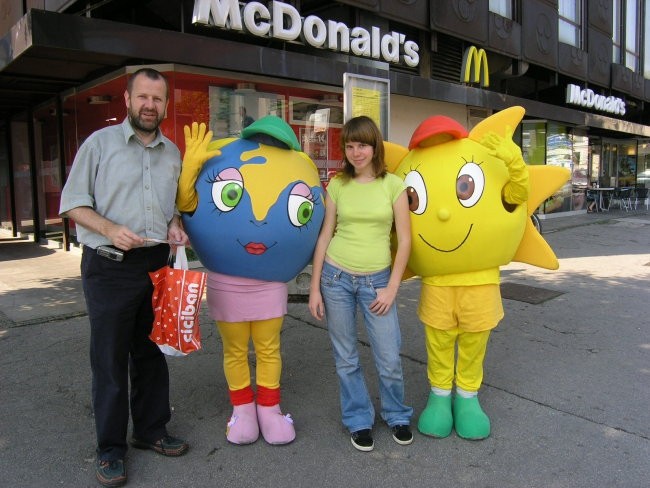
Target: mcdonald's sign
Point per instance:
(478, 58)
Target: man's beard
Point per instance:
(144, 126)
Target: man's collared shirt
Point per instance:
(124, 181)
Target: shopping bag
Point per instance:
(176, 304)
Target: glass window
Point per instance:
(48, 168)
(501, 7)
(616, 36)
(579, 170)
(646, 41)
(632, 35)
(5, 193)
(570, 22)
(533, 142)
(553, 144)
(22, 176)
(626, 38)
(559, 152)
(643, 177)
(619, 163)
(626, 164)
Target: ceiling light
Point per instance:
(99, 99)
(245, 88)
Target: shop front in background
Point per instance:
(554, 144)
(223, 101)
(593, 160)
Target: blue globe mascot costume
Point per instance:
(252, 207)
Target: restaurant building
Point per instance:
(580, 68)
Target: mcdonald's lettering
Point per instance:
(586, 97)
(283, 21)
(478, 58)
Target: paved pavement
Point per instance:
(567, 383)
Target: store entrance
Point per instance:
(618, 163)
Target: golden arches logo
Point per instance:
(478, 58)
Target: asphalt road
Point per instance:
(567, 383)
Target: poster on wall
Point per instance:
(315, 144)
(367, 95)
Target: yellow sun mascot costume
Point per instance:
(470, 196)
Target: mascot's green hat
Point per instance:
(273, 126)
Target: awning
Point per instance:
(46, 53)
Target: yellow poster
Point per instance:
(366, 101)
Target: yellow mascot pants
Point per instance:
(441, 349)
(266, 341)
(457, 323)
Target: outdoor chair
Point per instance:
(641, 196)
(615, 198)
(622, 198)
(626, 199)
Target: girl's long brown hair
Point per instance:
(363, 129)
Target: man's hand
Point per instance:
(176, 234)
(122, 237)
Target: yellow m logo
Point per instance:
(478, 58)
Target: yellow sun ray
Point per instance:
(533, 248)
(393, 155)
(501, 123)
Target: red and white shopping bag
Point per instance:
(176, 303)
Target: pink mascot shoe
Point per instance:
(276, 428)
(242, 427)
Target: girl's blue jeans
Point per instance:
(342, 294)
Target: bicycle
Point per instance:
(536, 222)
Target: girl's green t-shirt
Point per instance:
(364, 218)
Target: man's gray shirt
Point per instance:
(124, 181)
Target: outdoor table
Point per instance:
(602, 193)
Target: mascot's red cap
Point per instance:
(436, 130)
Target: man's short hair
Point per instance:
(150, 73)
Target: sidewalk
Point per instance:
(566, 383)
(38, 283)
(41, 283)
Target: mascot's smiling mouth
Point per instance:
(256, 248)
(447, 250)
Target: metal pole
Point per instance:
(10, 176)
(36, 219)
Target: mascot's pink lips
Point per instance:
(447, 250)
(255, 248)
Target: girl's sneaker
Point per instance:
(402, 434)
(362, 440)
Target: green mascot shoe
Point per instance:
(470, 421)
(436, 420)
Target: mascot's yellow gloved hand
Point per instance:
(504, 148)
(196, 154)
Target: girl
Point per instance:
(351, 268)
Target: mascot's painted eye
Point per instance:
(470, 184)
(416, 191)
(300, 205)
(227, 189)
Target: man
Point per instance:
(246, 119)
(121, 192)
